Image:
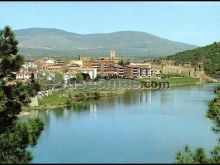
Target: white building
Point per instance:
(28, 65)
(25, 75)
(50, 61)
(76, 62)
(91, 71)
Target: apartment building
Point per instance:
(131, 71)
(108, 73)
(100, 64)
(55, 68)
(118, 69)
(135, 70)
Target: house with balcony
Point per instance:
(55, 68)
(118, 69)
(137, 70)
(25, 75)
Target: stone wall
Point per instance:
(34, 102)
(179, 69)
(40, 95)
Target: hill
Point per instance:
(47, 41)
(210, 55)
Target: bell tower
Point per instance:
(112, 54)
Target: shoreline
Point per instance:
(104, 93)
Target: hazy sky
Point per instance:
(191, 22)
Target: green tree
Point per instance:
(59, 81)
(123, 63)
(209, 55)
(79, 76)
(58, 76)
(189, 156)
(15, 136)
(127, 62)
(43, 81)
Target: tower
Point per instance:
(200, 66)
(112, 53)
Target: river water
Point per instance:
(137, 127)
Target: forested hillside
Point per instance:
(209, 54)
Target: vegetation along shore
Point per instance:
(72, 95)
(199, 155)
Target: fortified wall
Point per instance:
(167, 66)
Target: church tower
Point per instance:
(112, 53)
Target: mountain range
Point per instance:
(54, 42)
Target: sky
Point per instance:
(196, 23)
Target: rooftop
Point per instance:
(72, 67)
(87, 69)
(55, 67)
(107, 72)
(137, 66)
(117, 66)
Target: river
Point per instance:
(137, 127)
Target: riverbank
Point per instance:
(191, 156)
(73, 95)
(214, 104)
(68, 97)
(178, 81)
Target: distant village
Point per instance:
(104, 67)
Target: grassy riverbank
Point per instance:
(175, 81)
(183, 81)
(71, 96)
(109, 88)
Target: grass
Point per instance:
(73, 95)
(182, 80)
(56, 99)
(174, 80)
(62, 97)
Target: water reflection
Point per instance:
(139, 126)
(58, 113)
(168, 99)
(93, 109)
